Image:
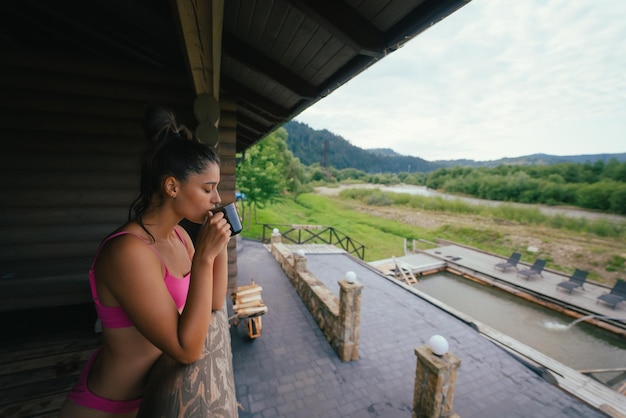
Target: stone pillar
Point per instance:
(349, 321)
(299, 262)
(435, 381)
(276, 237)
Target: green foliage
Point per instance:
(378, 199)
(597, 186)
(617, 263)
(380, 236)
(595, 196)
(268, 170)
(469, 236)
(384, 238)
(618, 199)
(521, 215)
(329, 150)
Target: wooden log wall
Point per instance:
(71, 145)
(227, 151)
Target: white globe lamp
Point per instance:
(351, 277)
(438, 345)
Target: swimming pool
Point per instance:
(581, 346)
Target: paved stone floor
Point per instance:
(291, 370)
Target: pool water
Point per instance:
(581, 346)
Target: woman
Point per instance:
(153, 291)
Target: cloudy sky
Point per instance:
(496, 79)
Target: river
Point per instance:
(424, 191)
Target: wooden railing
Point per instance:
(314, 234)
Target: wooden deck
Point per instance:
(41, 354)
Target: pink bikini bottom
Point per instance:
(81, 395)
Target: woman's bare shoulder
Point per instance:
(127, 247)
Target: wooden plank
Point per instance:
(73, 65)
(38, 101)
(64, 216)
(249, 291)
(616, 369)
(246, 299)
(76, 162)
(44, 198)
(46, 406)
(33, 401)
(251, 304)
(35, 348)
(249, 286)
(37, 372)
(301, 226)
(70, 180)
(103, 88)
(42, 369)
(42, 234)
(40, 269)
(72, 143)
(251, 311)
(54, 291)
(47, 251)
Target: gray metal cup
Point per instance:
(232, 217)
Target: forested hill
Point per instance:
(327, 149)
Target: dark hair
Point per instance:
(172, 151)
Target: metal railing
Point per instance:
(315, 234)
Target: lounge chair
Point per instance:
(534, 270)
(510, 263)
(615, 296)
(575, 281)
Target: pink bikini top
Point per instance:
(114, 316)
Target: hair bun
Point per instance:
(159, 126)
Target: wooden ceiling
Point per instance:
(278, 57)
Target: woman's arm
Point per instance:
(220, 280)
(220, 272)
(195, 318)
(133, 275)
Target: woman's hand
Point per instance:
(213, 236)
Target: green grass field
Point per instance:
(382, 238)
(385, 238)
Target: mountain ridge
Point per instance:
(328, 149)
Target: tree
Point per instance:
(267, 170)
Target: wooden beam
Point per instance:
(255, 60)
(263, 107)
(201, 23)
(342, 21)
